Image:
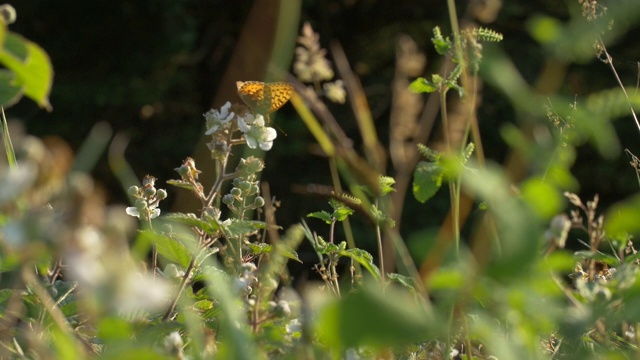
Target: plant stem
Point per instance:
(183, 285)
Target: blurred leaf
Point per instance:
(10, 91)
(32, 66)
(373, 317)
(386, 184)
(203, 305)
(519, 232)
(259, 249)
(427, 179)
(621, 219)
(406, 281)
(422, 85)
(545, 29)
(65, 344)
(545, 199)
(111, 328)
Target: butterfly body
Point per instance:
(264, 98)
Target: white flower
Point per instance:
(335, 91)
(154, 212)
(216, 119)
(256, 133)
(141, 292)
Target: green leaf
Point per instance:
(172, 249)
(622, 219)
(243, 227)
(261, 248)
(10, 90)
(374, 317)
(290, 254)
(440, 43)
(322, 215)
(111, 328)
(181, 184)
(32, 66)
(363, 258)
(210, 227)
(5, 294)
(545, 199)
(427, 179)
(386, 184)
(406, 281)
(422, 85)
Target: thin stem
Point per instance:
(183, 285)
(615, 73)
(380, 252)
(332, 228)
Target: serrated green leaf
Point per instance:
(427, 179)
(363, 258)
(290, 254)
(422, 85)
(322, 215)
(342, 213)
(441, 45)
(243, 227)
(180, 184)
(261, 248)
(210, 227)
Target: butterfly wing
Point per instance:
(264, 98)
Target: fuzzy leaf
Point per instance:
(363, 258)
(243, 227)
(422, 85)
(259, 249)
(172, 249)
(427, 179)
(322, 215)
(191, 220)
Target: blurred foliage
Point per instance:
(81, 279)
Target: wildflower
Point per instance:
(256, 133)
(335, 91)
(218, 119)
(311, 64)
(142, 211)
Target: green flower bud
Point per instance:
(149, 191)
(228, 199)
(133, 190)
(259, 201)
(162, 194)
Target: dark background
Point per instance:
(151, 69)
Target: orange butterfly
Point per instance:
(264, 98)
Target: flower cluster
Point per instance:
(220, 125)
(147, 199)
(312, 66)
